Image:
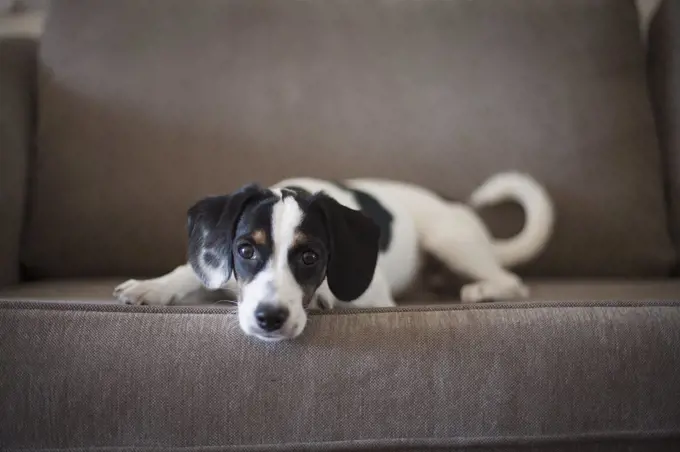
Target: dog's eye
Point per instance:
(309, 257)
(246, 251)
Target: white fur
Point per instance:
(214, 277)
(275, 284)
(178, 285)
(452, 232)
(538, 210)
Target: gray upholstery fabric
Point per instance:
(100, 291)
(168, 101)
(664, 77)
(18, 69)
(161, 378)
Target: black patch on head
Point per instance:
(316, 240)
(313, 234)
(211, 226)
(257, 216)
(370, 206)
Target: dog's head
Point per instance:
(280, 246)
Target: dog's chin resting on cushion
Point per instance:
(307, 243)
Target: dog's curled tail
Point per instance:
(538, 210)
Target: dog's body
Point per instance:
(304, 251)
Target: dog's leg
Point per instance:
(460, 240)
(179, 286)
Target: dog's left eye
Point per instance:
(246, 251)
(309, 257)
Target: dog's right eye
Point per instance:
(309, 258)
(246, 251)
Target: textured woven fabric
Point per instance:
(18, 72)
(146, 107)
(116, 376)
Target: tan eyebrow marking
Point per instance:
(299, 238)
(260, 237)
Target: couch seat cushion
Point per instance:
(477, 378)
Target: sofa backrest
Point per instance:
(147, 106)
(17, 96)
(663, 65)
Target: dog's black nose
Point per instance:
(270, 318)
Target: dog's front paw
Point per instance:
(493, 290)
(475, 293)
(147, 292)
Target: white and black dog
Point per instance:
(307, 243)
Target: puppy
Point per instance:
(308, 243)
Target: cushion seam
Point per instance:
(404, 442)
(206, 310)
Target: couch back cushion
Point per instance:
(664, 77)
(147, 106)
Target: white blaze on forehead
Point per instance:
(275, 283)
(286, 218)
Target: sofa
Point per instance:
(123, 113)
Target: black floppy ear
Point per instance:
(211, 224)
(353, 253)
